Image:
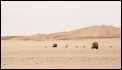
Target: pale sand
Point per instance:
(40, 54)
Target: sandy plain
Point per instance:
(19, 54)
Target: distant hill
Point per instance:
(102, 31)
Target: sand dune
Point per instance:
(36, 51)
(102, 31)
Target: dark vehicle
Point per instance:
(54, 45)
(94, 45)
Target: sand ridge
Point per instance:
(102, 31)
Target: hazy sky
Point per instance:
(33, 17)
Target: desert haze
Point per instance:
(73, 49)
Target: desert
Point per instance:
(60, 34)
(73, 50)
